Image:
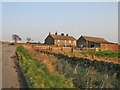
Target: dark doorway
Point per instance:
(92, 46)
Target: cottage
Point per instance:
(94, 42)
(60, 40)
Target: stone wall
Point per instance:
(106, 47)
(53, 48)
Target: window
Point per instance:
(69, 41)
(65, 41)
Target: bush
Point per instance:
(95, 74)
(87, 77)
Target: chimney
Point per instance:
(62, 34)
(49, 33)
(66, 34)
(56, 33)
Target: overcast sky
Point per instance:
(36, 20)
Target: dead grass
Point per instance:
(48, 60)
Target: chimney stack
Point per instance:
(49, 33)
(62, 34)
(56, 33)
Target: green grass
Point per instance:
(38, 75)
(112, 54)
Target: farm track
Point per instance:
(9, 74)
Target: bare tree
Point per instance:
(16, 38)
(28, 39)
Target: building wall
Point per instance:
(81, 41)
(65, 42)
(49, 40)
(106, 47)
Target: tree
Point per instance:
(28, 39)
(16, 38)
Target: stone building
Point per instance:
(94, 42)
(60, 40)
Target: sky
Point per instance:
(37, 19)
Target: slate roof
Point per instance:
(60, 37)
(95, 39)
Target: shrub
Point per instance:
(90, 74)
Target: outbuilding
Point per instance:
(94, 43)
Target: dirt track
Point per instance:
(9, 75)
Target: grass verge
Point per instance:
(38, 74)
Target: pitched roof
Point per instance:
(95, 39)
(60, 37)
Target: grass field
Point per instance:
(112, 54)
